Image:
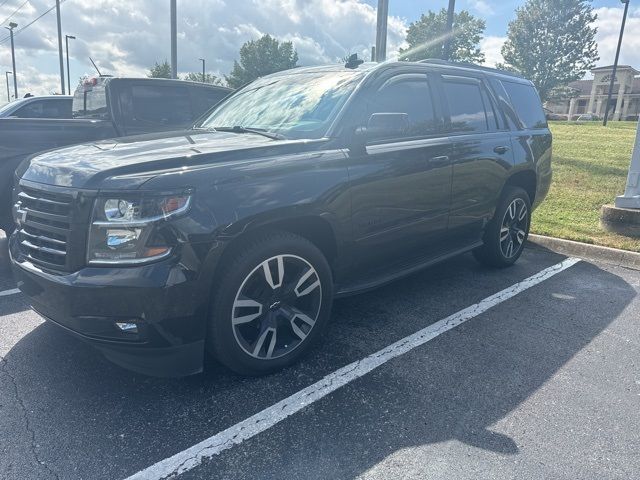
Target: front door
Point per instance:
(401, 185)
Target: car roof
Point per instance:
(165, 80)
(370, 67)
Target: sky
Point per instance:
(126, 37)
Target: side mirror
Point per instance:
(386, 125)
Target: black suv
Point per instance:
(235, 236)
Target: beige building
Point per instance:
(592, 95)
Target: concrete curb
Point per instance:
(608, 255)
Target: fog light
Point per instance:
(127, 327)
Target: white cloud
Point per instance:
(126, 37)
(482, 7)
(491, 47)
(608, 23)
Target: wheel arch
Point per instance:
(314, 228)
(525, 179)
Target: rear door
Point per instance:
(401, 185)
(482, 155)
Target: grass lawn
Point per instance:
(590, 164)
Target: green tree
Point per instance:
(208, 78)
(261, 57)
(552, 43)
(426, 37)
(160, 70)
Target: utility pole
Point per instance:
(446, 48)
(381, 31)
(66, 41)
(204, 77)
(373, 54)
(11, 26)
(174, 40)
(6, 74)
(615, 63)
(60, 47)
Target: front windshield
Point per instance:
(11, 106)
(298, 105)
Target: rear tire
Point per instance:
(272, 304)
(507, 232)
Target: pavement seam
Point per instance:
(4, 367)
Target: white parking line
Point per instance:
(5, 293)
(267, 418)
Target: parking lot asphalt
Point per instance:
(545, 384)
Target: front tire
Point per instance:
(507, 232)
(272, 304)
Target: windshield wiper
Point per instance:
(257, 131)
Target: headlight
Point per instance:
(125, 230)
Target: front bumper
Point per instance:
(161, 298)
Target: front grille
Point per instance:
(51, 226)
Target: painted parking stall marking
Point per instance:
(6, 293)
(192, 457)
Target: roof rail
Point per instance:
(473, 66)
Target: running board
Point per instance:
(402, 271)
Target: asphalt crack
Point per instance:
(4, 368)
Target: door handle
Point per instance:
(439, 161)
(501, 150)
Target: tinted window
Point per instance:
(526, 102)
(466, 107)
(206, 98)
(408, 94)
(45, 109)
(164, 105)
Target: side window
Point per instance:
(526, 102)
(206, 98)
(161, 105)
(56, 109)
(408, 94)
(466, 106)
(30, 110)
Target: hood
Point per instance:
(85, 166)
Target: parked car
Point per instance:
(555, 116)
(234, 237)
(588, 117)
(52, 106)
(103, 108)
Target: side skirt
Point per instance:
(394, 273)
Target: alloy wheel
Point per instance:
(514, 228)
(276, 307)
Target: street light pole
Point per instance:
(6, 74)
(204, 78)
(615, 63)
(11, 26)
(60, 46)
(174, 40)
(381, 31)
(66, 41)
(446, 48)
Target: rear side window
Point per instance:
(408, 94)
(466, 106)
(45, 109)
(161, 105)
(526, 102)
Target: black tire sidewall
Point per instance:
(221, 339)
(491, 253)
